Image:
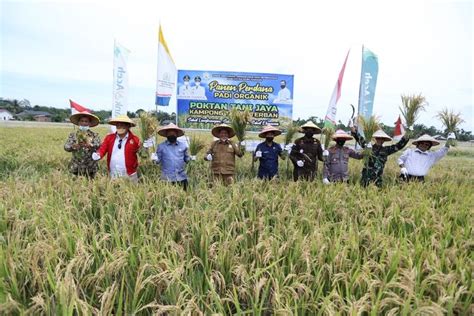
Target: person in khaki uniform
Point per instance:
(82, 143)
(222, 154)
(336, 164)
(306, 152)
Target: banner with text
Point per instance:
(204, 98)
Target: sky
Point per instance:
(53, 51)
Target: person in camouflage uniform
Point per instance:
(336, 159)
(306, 152)
(373, 169)
(82, 143)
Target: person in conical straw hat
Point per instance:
(82, 143)
(415, 163)
(222, 154)
(373, 170)
(268, 153)
(121, 148)
(306, 152)
(173, 156)
(336, 164)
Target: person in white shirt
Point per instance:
(198, 91)
(284, 95)
(415, 163)
(185, 89)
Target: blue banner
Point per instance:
(368, 81)
(204, 98)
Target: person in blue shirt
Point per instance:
(173, 155)
(268, 153)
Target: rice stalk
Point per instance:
(411, 107)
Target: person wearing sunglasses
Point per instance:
(121, 148)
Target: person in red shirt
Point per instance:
(121, 148)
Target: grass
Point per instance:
(71, 246)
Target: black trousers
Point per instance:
(183, 183)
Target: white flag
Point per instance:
(120, 80)
(166, 73)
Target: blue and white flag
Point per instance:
(166, 73)
(120, 80)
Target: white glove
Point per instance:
(369, 145)
(154, 157)
(326, 181)
(325, 153)
(258, 154)
(95, 156)
(323, 147)
(193, 158)
(209, 157)
(451, 136)
(300, 163)
(404, 171)
(148, 143)
(288, 147)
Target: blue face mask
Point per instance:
(83, 128)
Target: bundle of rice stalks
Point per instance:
(291, 131)
(369, 126)
(450, 120)
(411, 107)
(195, 145)
(328, 132)
(148, 126)
(239, 121)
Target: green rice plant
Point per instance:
(411, 107)
(450, 120)
(73, 246)
(196, 144)
(239, 121)
(327, 132)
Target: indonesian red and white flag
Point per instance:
(399, 129)
(76, 108)
(330, 118)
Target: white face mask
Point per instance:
(197, 83)
(186, 83)
(83, 128)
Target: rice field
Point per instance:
(70, 246)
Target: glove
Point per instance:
(148, 143)
(95, 156)
(369, 145)
(154, 157)
(325, 153)
(300, 163)
(404, 171)
(192, 157)
(326, 181)
(323, 147)
(288, 147)
(209, 157)
(258, 154)
(451, 136)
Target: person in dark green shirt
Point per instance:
(373, 169)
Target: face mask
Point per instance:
(340, 142)
(197, 83)
(269, 139)
(282, 86)
(83, 128)
(309, 134)
(121, 131)
(186, 83)
(171, 139)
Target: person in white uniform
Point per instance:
(185, 89)
(415, 163)
(198, 91)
